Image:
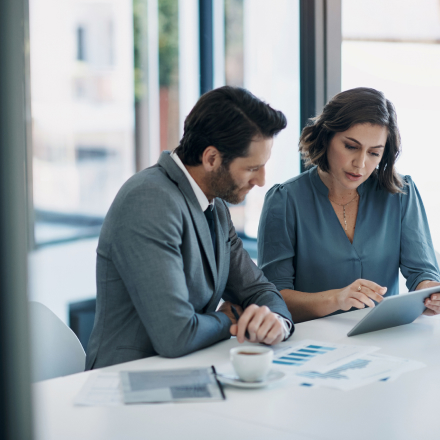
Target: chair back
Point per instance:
(55, 349)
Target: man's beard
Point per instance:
(222, 185)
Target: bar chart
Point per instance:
(301, 356)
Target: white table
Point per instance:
(408, 408)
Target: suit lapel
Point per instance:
(199, 220)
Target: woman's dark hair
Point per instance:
(356, 106)
(228, 118)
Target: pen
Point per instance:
(237, 317)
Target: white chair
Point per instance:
(55, 349)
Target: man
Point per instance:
(168, 251)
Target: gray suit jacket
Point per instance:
(158, 282)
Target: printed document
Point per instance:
(345, 367)
(189, 384)
(317, 356)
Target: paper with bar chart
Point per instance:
(317, 356)
(362, 371)
(345, 367)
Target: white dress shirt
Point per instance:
(204, 203)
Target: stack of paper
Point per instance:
(314, 363)
(180, 385)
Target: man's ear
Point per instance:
(211, 159)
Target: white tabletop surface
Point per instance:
(407, 408)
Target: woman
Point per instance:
(333, 238)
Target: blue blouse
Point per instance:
(302, 245)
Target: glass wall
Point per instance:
(262, 54)
(394, 46)
(163, 17)
(82, 112)
(82, 96)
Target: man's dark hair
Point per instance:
(228, 118)
(356, 106)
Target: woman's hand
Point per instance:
(432, 303)
(359, 294)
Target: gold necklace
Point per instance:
(343, 206)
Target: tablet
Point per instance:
(393, 311)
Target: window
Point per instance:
(111, 85)
(82, 113)
(82, 96)
(401, 57)
(262, 54)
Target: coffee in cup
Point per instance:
(251, 363)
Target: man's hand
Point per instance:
(432, 303)
(262, 325)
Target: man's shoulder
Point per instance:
(150, 194)
(151, 184)
(147, 200)
(152, 177)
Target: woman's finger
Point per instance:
(429, 312)
(370, 293)
(371, 285)
(361, 297)
(353, 302)
(433, 304)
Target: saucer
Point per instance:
(273, 376)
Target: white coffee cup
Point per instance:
(251, 363)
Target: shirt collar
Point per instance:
(201, 197)
(322, 188)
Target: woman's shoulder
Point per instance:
(407, 180)
(373, 185)
(293, 184)
(290, 193)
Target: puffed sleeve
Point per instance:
(417, 257)
(276, 239)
